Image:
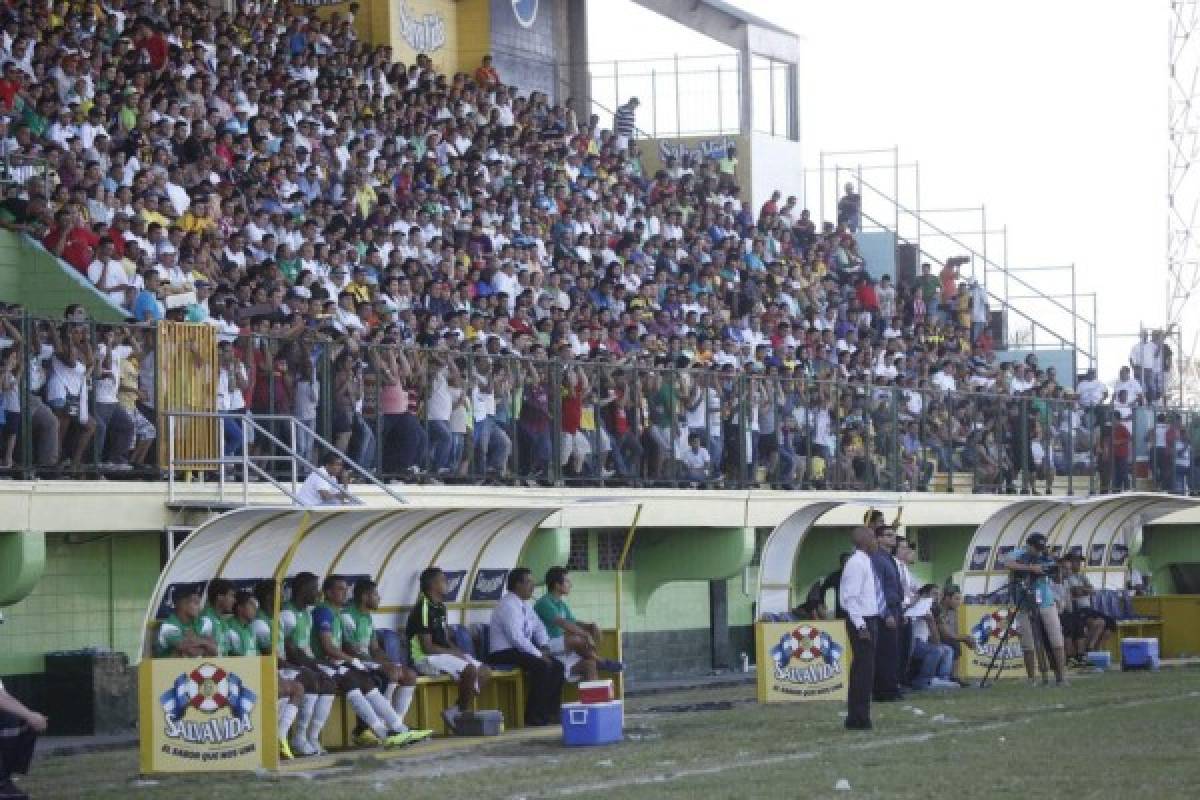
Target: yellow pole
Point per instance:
(620, 567)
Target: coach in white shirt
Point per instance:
(519, 639)
(861, 596)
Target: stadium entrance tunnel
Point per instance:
(476, 548)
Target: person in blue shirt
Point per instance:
(1026, 564)
(147, 307)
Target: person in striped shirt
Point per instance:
(624, 124)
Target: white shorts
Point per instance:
(575, 444)
(558, 649)
(289, 674)
(445, 664)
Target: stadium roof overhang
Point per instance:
(1101, 529)
(475, 547)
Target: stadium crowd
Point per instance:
(452, 280)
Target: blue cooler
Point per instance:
(1100, 659)
(593, 723)
(1139, 654)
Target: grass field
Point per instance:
(1117, 735)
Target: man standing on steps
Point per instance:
(862, 597)
(887, 646)
(624, 124)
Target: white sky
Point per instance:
(1052, 113)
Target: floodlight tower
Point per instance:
(1183, 192)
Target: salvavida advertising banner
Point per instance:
(207, 714)
(798, 661)
(986, 625)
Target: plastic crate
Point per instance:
(593, 723)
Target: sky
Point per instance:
(1051, 114)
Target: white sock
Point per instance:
(305, 716)
(386, 713)
(366, 711)
(389, 693)
(320, 717)
(403, 700)
(287, 715)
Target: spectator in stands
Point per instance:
(624, 124)
(849, 210)
(486, 74)
(19, 728)
(519, 639)
(433, 652)
(326, 485)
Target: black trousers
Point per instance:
(545, 680)
(16, 745)
(887, 662)
(906, 648)
(862, 672)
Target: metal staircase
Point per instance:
(203, 478)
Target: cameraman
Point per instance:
(1029, 566)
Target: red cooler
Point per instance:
(596, 691)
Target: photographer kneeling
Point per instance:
(1029, 566)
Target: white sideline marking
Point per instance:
(872, 744)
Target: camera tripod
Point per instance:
(1024, 599)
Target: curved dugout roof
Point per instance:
(779, 556)
(475, 547)
(1096, 527)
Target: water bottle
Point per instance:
(745, 659)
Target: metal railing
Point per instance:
(414, 415)
(281, 465)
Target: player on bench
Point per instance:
(571, 641)
(432, 652)
(358, 640)
(185, 633)
(241, 639)
(295, 622)
(220, 605)
(384, 725)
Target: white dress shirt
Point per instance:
(515, 626)
(858, 591)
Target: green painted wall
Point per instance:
(22, 562)
(93, 593)
(44, 285)
(948, 549)
(1163, 546)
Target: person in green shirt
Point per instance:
(571, 641)
(383, 724)
(242, 640)
(295, 627)
(220, 604)
(358, 640)
(185, 633)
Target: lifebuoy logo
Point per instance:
(525, 11)
(207, 706)
(807, 655)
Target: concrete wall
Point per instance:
(775, 164)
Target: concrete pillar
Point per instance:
(746, 83)
(573, 59)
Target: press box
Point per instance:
(593, 723)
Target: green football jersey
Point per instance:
(296, 625)
(173, 630)
(218, 628)
(264, 630)
(357, 629)
(239, 638)
(326, 619)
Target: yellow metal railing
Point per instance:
(186, 360)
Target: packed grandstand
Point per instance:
(453, 280)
